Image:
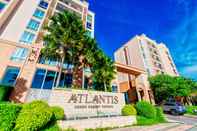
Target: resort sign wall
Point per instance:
(82, 103)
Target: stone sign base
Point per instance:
(93, 123)
(81, 103)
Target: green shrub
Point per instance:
(146, 121)
(8, 115)
(70, 129)
(189, 109)
(5, 92)
(145, 109)
(33, 116)
(53, 126)
(58, 112)
(160, 115)
(128, 110)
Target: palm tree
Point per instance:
(84, 58)
(64, 35)
(66, 40)
(103, 71)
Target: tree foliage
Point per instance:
(67, 41)
(165, 86)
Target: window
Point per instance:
(66, 80)
(27, 37)
(52, 62)
(49, 80)
(38, 78)
(19, 54)
(10, 76)
(2, 5)
(60, 7)
(39, 14)
(114, 88)
(89, 18)
(43, 4)
(33, 24)
(89, 25)
(44, 79)
(126, 96)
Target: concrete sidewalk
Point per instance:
(158, 127)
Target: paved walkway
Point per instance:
(176, 123)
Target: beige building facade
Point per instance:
(145, 54)
(21, 33)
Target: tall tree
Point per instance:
(165, 86)
(64, 35)
(103, 71)
(67, 41)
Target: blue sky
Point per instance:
(173, 22)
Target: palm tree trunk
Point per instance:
(105, 86)
(83, 77)
(60, 71)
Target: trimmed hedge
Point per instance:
(5, 92)
(160, 115)
(128, 110)
(146, 121)
(58, 112)
(8, 115)
(52, 126)
(33, 116)
(145, 109)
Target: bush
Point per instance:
(128, 110)
(52, 127)
(145, 109)
(8, 115)
(33, 116)
(58, 112)
(146, 121)
(159, 115)
(190, 109)
(5, 92)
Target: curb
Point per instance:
(190, 116)
(169, 127)
(174, 121)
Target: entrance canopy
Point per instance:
(129, 69)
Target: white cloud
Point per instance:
(189, 71)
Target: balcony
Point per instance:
(60, 7)
(43, 4)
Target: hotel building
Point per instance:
(145, 54)
(21, 33)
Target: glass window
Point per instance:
(89, 18)
(10, 76)
(39, 14)
(60, 7)
(43, 4)
(66, 80)
(89, 25)
(27, 37)
(2, 5)
(62, 80)
(49, 80)
(19, 54)
(126, 97)
(33, 24)
(114, 88)
(38, 78)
